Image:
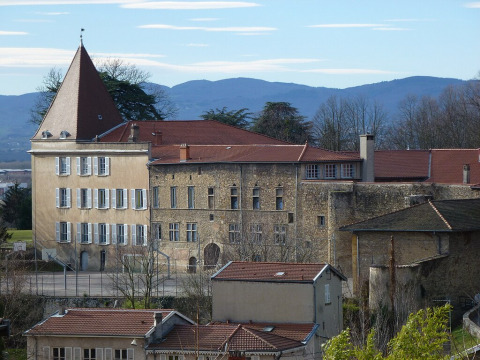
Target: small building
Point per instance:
(99, 334)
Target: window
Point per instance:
(155, 199)
(347, 171)
(291, 218)
(101, 198)
(174, 231)
(256, 232)
(173, 197)
(279, 199)
(256, 198)
(327, 294)
(157, 231)
(139, 235)
(139, 199)
(84, 198)
(123, 354)
(330, 171)
(191, 232)
(62, 230)
(119, 198)
(89, 354)
(58, 353)
(84, 233)
(84, 166)
(280, 234)
(312, 171)
(62, 165)
(62, 196)
(191, 197)
(234, 233)
(233, 198)
(101, 166)
(211, 198)
(102, 234)
(320, 221)
(119, 234)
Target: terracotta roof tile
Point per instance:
(447, 165)
(401, 164)
(269, 271)
(98, 322)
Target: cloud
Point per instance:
(390, 29)
(473, 5)
(8, 33)
(346, 26)
(349, 71)
(189, 5)
(245, 29)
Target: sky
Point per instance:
(321, 43)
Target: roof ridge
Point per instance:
(253, 332)
(303, 151)
(440, 214)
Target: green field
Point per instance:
(20, 235)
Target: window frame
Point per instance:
(191, 231)
(84, 165)
(312, 172)
(234, 201)
(191, 197)
(234, 233)
(280, 234)
(62, 165)
(279, 204)
(211, 197)
(155, 197)
(347, 171)
(330, 171)
(139, 199)
(256, 198)
(63, 232)
(256, 232)
(173, 197)
(174, 232)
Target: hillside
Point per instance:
(193, 98)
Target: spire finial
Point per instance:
(81, 36)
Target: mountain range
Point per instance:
(194, 98)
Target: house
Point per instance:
(255, 315)
(436, 246)
(108, 334)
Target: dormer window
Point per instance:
(46, 134)
(64, 134)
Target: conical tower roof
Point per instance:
(82, 107)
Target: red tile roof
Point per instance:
(224, 338)
(401, 164)
(98, 322)
(82, 106)
(269, 271)
(447, 165)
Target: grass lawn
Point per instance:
(462, 340)
(20, 235)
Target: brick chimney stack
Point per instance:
(184, 152)
(367, 153)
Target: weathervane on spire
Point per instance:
(81, 35)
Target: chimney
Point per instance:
(367, 153)
(184, 152)
(466, 174)
(158, 137)
(158, 331)
(134, 132)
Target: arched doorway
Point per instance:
(192, 265)
(211, 255)
(83, 261)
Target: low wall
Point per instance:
(472, 325)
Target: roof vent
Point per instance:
(268, 328)
(46, 134)
(64, 134)
(280, 273)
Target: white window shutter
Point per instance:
(89, 233)
(67, 160)
(107, 166)
(107, 230)
(108, 354)
(68, 353)
(95, 165)
(69, 197)
(182, 357)
(107, 198)
(46, 352)
(57, 231)
(95, 236)
(95, 198)
(130, 354)
(144, 194)
(57, 197)
(79, 199)
(89, 163)
(133, 198)
(125, 198)
(79, 171)
(134, 235)
(114, 198)
(163, 357)
(69, 232)
(125, 234)
(99, 353)
(114, 234)
(145, 235)
(89, 198)
(57, 165)
(79, 232)
(77, 353)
